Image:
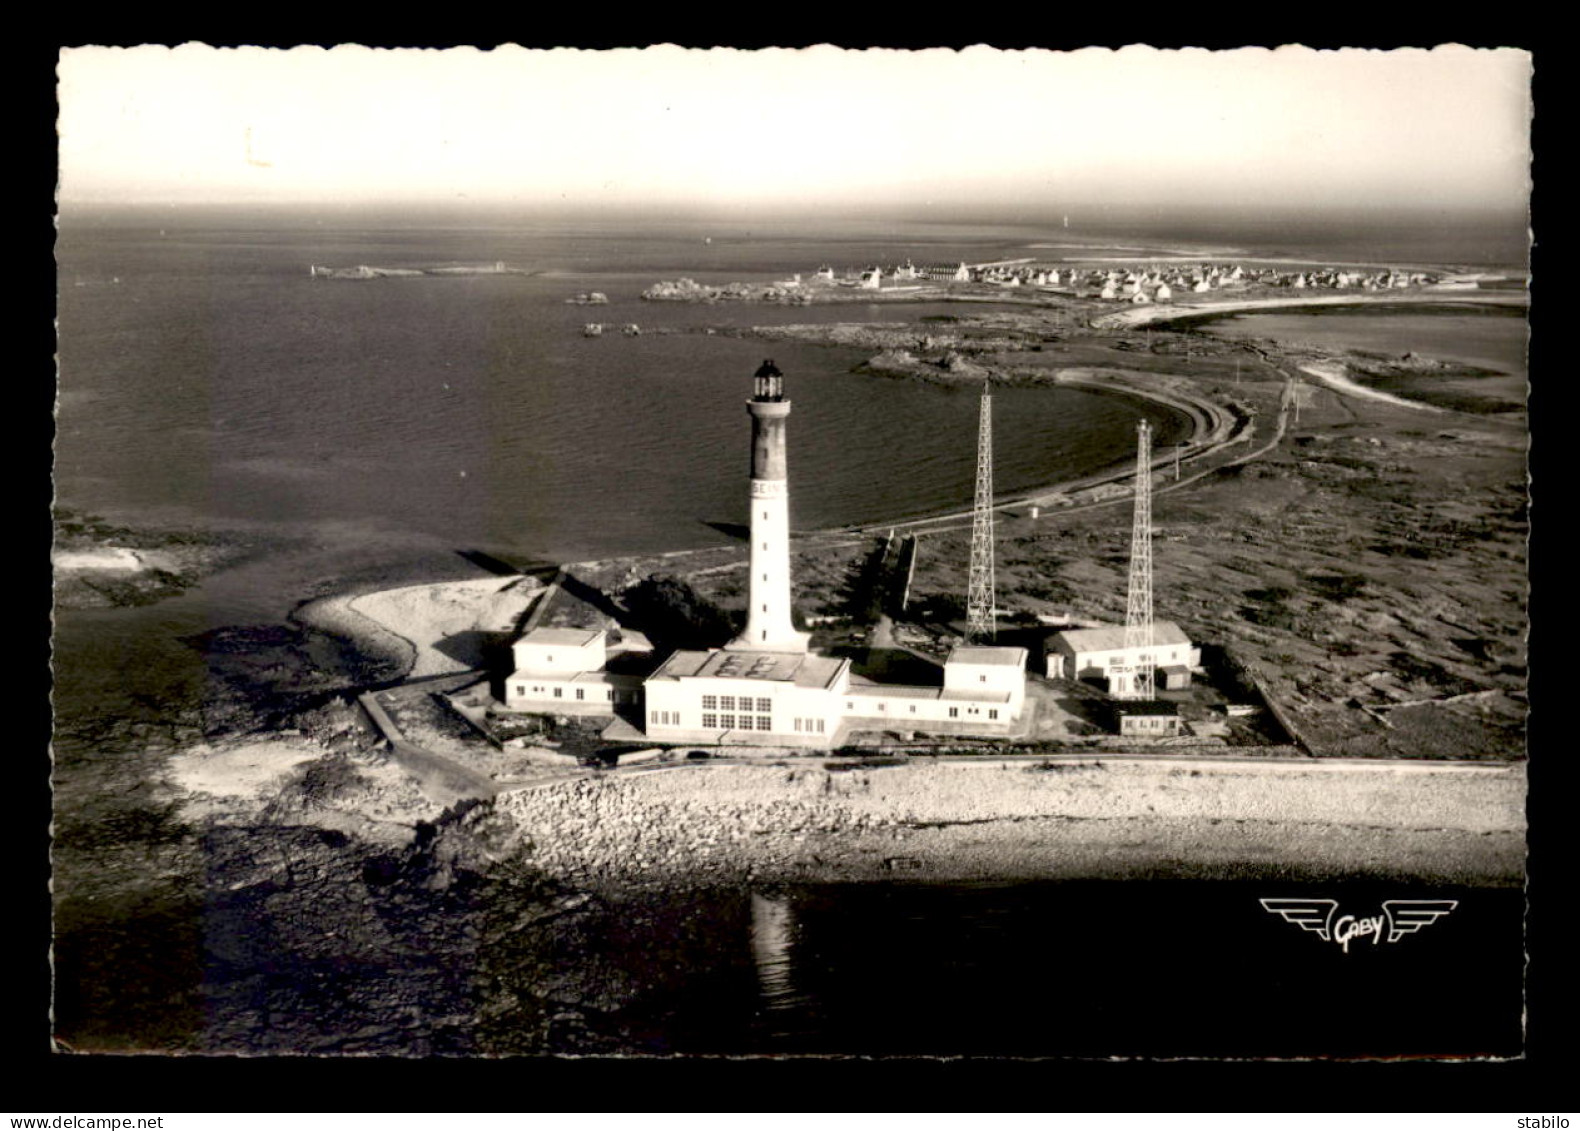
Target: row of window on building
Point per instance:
(733, 722)
(712, 720)
(810, 726)
(559, 692)
(954, 712)
(727, 703)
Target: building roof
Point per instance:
(891, 691)
(572, 637)
(1112, 637)
(804, 669)
(632, 641)
(1146, 707)
(974, 695)
(597, 678)
(975, 654)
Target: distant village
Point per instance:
(1152, 283)
(1131, 283)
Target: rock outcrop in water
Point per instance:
(689, 290)
(98, 564)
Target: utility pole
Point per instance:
(979, 592)
(1293, 391)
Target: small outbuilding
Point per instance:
(567, 670)
(1148, 718)
(1093, 653)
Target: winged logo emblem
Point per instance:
(1407, 916)
(1307, 914)
(1400, 917)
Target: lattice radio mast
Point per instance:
(979, 594)
(1138, 609)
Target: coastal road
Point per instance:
(961, 520)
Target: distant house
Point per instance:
(962, 274)
(1163, 293)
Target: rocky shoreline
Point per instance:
(99, 564)
(804, 820)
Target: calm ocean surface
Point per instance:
(1153, 968)
(367, 430)
(206, 376)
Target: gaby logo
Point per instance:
(1400, 917)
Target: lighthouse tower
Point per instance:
(768, 625)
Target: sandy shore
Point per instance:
(433, 629)
(1332, 374)
(109, 557)
(1152, 313)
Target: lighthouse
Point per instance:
(768, 624)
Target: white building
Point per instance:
(1100, 654)
(739, 696)
(564, 670)
(783, 699)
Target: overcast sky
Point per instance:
(818, 128)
